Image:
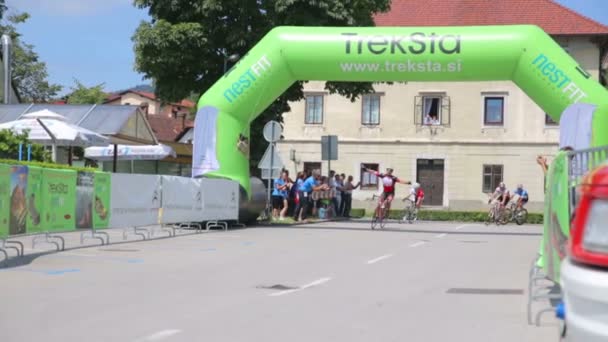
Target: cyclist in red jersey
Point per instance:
(388, 186)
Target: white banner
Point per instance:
(182, 200)
(204, 158)
(135, 200)
(220, 199)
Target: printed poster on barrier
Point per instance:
(101, 204)
(182, 200)
(221, 199)
(58, 199)
(34, 200)
(135, 200)
(18, 190)
(5, 183)
(84, 199)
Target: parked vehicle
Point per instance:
(584, 274)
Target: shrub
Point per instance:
(46, 165)
(459, 216)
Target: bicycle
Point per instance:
(519, 215)
(383, 209)
(496, 214)
(410, 212)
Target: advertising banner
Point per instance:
(18, 211)
(84, 199)
(101, 204)
(58, 199)
(182, 200)
(220, 199)
(34, 200)
(134, 200)
(5, 199)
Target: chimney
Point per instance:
(6, 58)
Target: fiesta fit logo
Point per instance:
(416, 43)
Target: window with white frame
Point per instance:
(432, 109)
(314, 109)
(494, 110)
(370, 112)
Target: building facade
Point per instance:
(457, 139)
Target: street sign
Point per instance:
(272, 131)
(271, 160)
(329, 147)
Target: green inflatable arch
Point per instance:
(525, 55)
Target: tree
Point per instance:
(183, 48)
(9, 146)
(81, 94)
(30, 76)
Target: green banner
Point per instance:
(58, 199)
(5, 199)
(557, 216)
(18, 188)
(34, 200)
(101, 206)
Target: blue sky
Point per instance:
(91, 39)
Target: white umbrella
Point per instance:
(48, 128)
(125, 152)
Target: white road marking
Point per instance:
(461, 226)
(157, 336)
(441, 235)
(417, 244)
(314, 283)
(373, 261)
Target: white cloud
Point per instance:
(68, 7)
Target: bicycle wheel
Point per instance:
(490, 217)
(521, 216)
(375, 219)
(383, 217)
(408, 212)
(505, 216)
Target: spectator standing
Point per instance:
(348, 195)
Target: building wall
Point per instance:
(136, 100)
(465, 144)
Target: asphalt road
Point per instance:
(326, 282)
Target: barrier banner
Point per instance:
(220, 199)
(5, 183)
(135, 200)
(34, 200)
(84, 199)
(58, 199)
(101, 208)
(18, 211)
(182, 200)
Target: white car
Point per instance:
(584, 276)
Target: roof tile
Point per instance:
(550, 16)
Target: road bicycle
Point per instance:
(515, 214)
(497, 214)
(380, 214)
(409, 213)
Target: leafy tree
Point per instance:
(30, 76)
(82, 94)
(9, 146)
(183, 48)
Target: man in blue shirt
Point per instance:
(523, 195)
(310, 184)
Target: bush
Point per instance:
(459, 216)
(357, 213)
(46, 165)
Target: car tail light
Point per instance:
(589, 236)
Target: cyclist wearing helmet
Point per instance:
(523, 195)
(418, 194)
(502, 194)
(388, 185)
